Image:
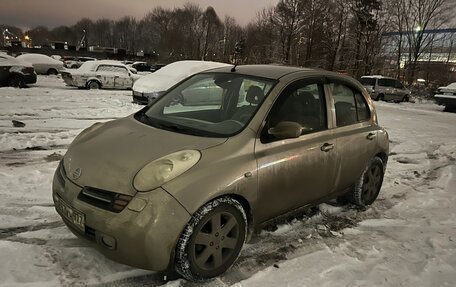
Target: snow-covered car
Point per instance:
(446, 96)
(77, 62)
(15, 73)
(100, 74)
(182, 187)
(43, 65)
(385, 88)
(150, 87)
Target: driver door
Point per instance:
(295, 172)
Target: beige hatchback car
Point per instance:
(182, 186)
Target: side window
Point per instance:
(112, 69)
(350, 105)
(398, 85)
(304, 104)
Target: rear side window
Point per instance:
(351, 106)
(368, 81)
(387, 82)
(112, 69)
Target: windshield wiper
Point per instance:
(177, 128)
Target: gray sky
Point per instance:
(52, 13)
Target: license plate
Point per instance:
(73, 215)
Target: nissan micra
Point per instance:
(183, 183)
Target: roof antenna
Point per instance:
(234, 68)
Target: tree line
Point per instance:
(341, 35)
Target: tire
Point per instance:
(405, 99)
(368, 186)
(212, 240)
(74, 67)
(93, 85)
(52, 72)
(16, 81)
(381, 97)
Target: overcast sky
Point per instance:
(52, 13)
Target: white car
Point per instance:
(150, 87)
(100, 74)
(446, 96)
(77, 62)
(42, 64)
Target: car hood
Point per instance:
(108, 155)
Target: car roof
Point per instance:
(264, 71)
(377, 77)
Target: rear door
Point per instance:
(354, 129)
(105, 74)
(297, 171)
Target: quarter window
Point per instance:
(351, 106)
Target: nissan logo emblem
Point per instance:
(77, 173)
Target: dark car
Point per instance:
(141, 67)
(15, 73)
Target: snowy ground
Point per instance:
(407, 238)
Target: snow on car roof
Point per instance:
(91, 65)
(7, 60)
(173, 73)
(37, 59)
(450, 86)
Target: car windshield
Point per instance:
(209, 104)
(368, 81)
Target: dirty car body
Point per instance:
(180, 186)
(100, 74)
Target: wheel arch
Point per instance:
(93, 80)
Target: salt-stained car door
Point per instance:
(105, 74)
(355, 132)
(294, 172)
(122, 78)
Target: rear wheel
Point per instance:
(212, 240)
(405, 99)
(93, 85)
(16, 81)
(368, 186)
(52, 72)
(381, 97)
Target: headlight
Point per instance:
(165, 169)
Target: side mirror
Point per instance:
(286, 130)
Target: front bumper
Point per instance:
(145, 239)
(445, 100)
(30, 78)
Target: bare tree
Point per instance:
(422, 15)
(288, 18)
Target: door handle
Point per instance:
(371, 136)
(327, 147)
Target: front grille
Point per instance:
(140, 99)
(104, 199)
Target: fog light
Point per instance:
(137, 204)
(107, 241)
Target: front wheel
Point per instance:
(16, 81)
(368, 186)
(212, 240)
(405, 99)
(93, 85)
